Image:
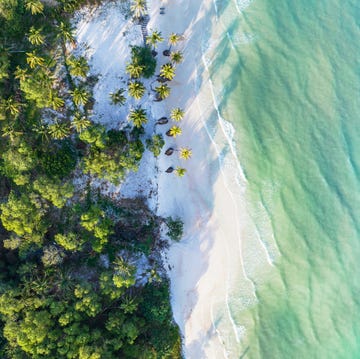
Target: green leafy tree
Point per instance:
(37, 87)
(23, 215)
(95, 135)
(59, 160)
(167, 71)
(70, 241)
(138, 117)
(52, 256)
(177, 114)
(155, 144)
(18, 162)
(162, 91)
(175, 228)
(117, 97)
(136, 89)
(96, 222)
(54, 190)
(143, 57)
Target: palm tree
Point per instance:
(154, 39)
(34, 6)
(80, 96)
(177, 114)
(118, 98)
(138, 8)
(173, 40)
(134, 70)
(55, 101)
(21, 74)
(34, 60)
(174, 131)
(65, 31)
(78, 66)
(42, 130)
(162, 91)
(176, 57)
(185, 153)
(12, 106)
(138, 117)
(9, 131)
(59, 130)
(167, 71)
(80, 122)
(136, 89)
(35, 36)
(180, 171)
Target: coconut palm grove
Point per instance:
(71, 285)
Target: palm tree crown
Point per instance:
(34, 60)
(78, 66)
(65, 31)
(173, 39)
(35, 36)
(176, 57)
(163, 91)
(80, 96)
(185, 153)
(59, 130)
(174, 131)
(138, 8)
(136, 89)
(138, 117)
(118, 97)
(154, 38)
(180, 171)
(167, 71)
(34, 6)
(55, 101)
(80, 122)
(134, 70)
(177, 114)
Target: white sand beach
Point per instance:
(201, 267)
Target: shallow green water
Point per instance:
(287, 76)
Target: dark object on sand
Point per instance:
(169, 170)
(162, 121)
(169, 151)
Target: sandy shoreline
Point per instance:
(201, 264)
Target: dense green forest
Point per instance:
(69, 272)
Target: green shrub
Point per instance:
(176, 227)
(143, 57)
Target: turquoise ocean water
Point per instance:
(287, 77)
